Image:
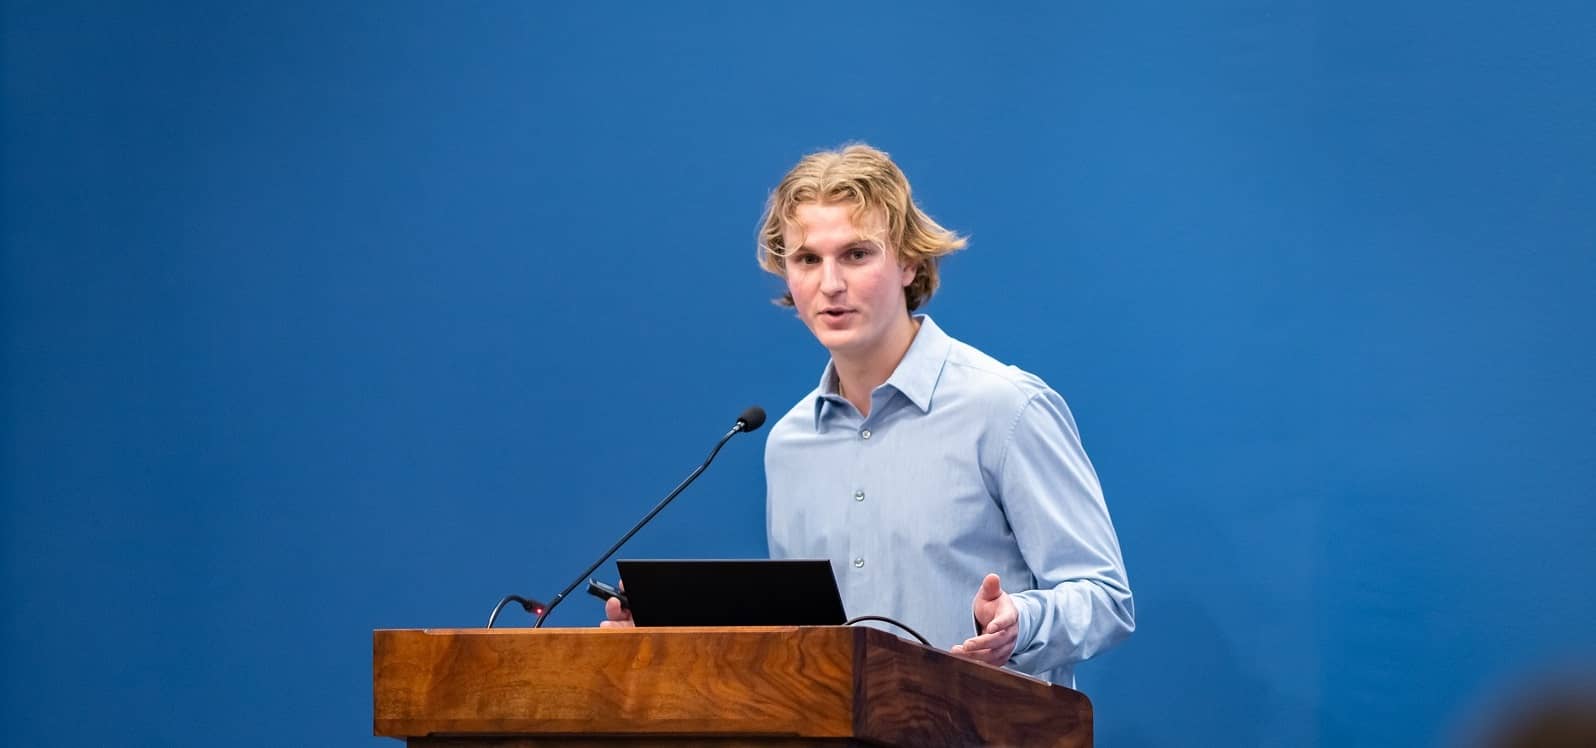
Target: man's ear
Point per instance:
(909, 271)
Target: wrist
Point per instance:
(1027, 609)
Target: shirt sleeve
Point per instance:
(1081, 601)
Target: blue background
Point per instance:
(319, 319)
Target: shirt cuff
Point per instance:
(1029, 610)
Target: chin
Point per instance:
(832, 340)
(839, 343)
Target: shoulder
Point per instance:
(974, 375)
(1024, 415)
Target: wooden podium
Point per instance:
(824, 685)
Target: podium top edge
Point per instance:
(584, 630)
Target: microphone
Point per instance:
(749, 420)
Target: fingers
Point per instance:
(615, 615)
(998, 634)
(991, 604)
(992, 640)
(993, 657)
(1004, 620)
(991, 588)
(987, 656)
(996, 644)
(992, 649)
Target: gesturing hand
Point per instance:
(616, 616)
(999, 623)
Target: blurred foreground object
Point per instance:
(1555, 715)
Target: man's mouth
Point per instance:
(835, 312)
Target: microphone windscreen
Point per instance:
(752, 418)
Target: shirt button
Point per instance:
(858, 495)
(865, 434)
(858, 563)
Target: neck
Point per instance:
(858, 376)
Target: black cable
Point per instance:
(531, 606)
(885, 619)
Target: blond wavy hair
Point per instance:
(866, 179)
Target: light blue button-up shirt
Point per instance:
(964, 466)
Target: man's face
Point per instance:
(847, 288)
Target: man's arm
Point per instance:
(1048, 490)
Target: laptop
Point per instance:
(788, 592)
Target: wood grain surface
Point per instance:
(646, 741)
(912, 695)
(786, 681)
(708, 686)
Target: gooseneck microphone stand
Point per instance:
(751, 419)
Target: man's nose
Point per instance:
(831, 282)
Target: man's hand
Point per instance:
(999, 622)
(616, 616)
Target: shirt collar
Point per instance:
(916, 376)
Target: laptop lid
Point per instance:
(787, 592)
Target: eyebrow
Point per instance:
(858, 241)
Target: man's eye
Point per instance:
(805, 259)
(858, 253)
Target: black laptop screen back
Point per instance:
(732, 593)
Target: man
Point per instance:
(921, 467)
